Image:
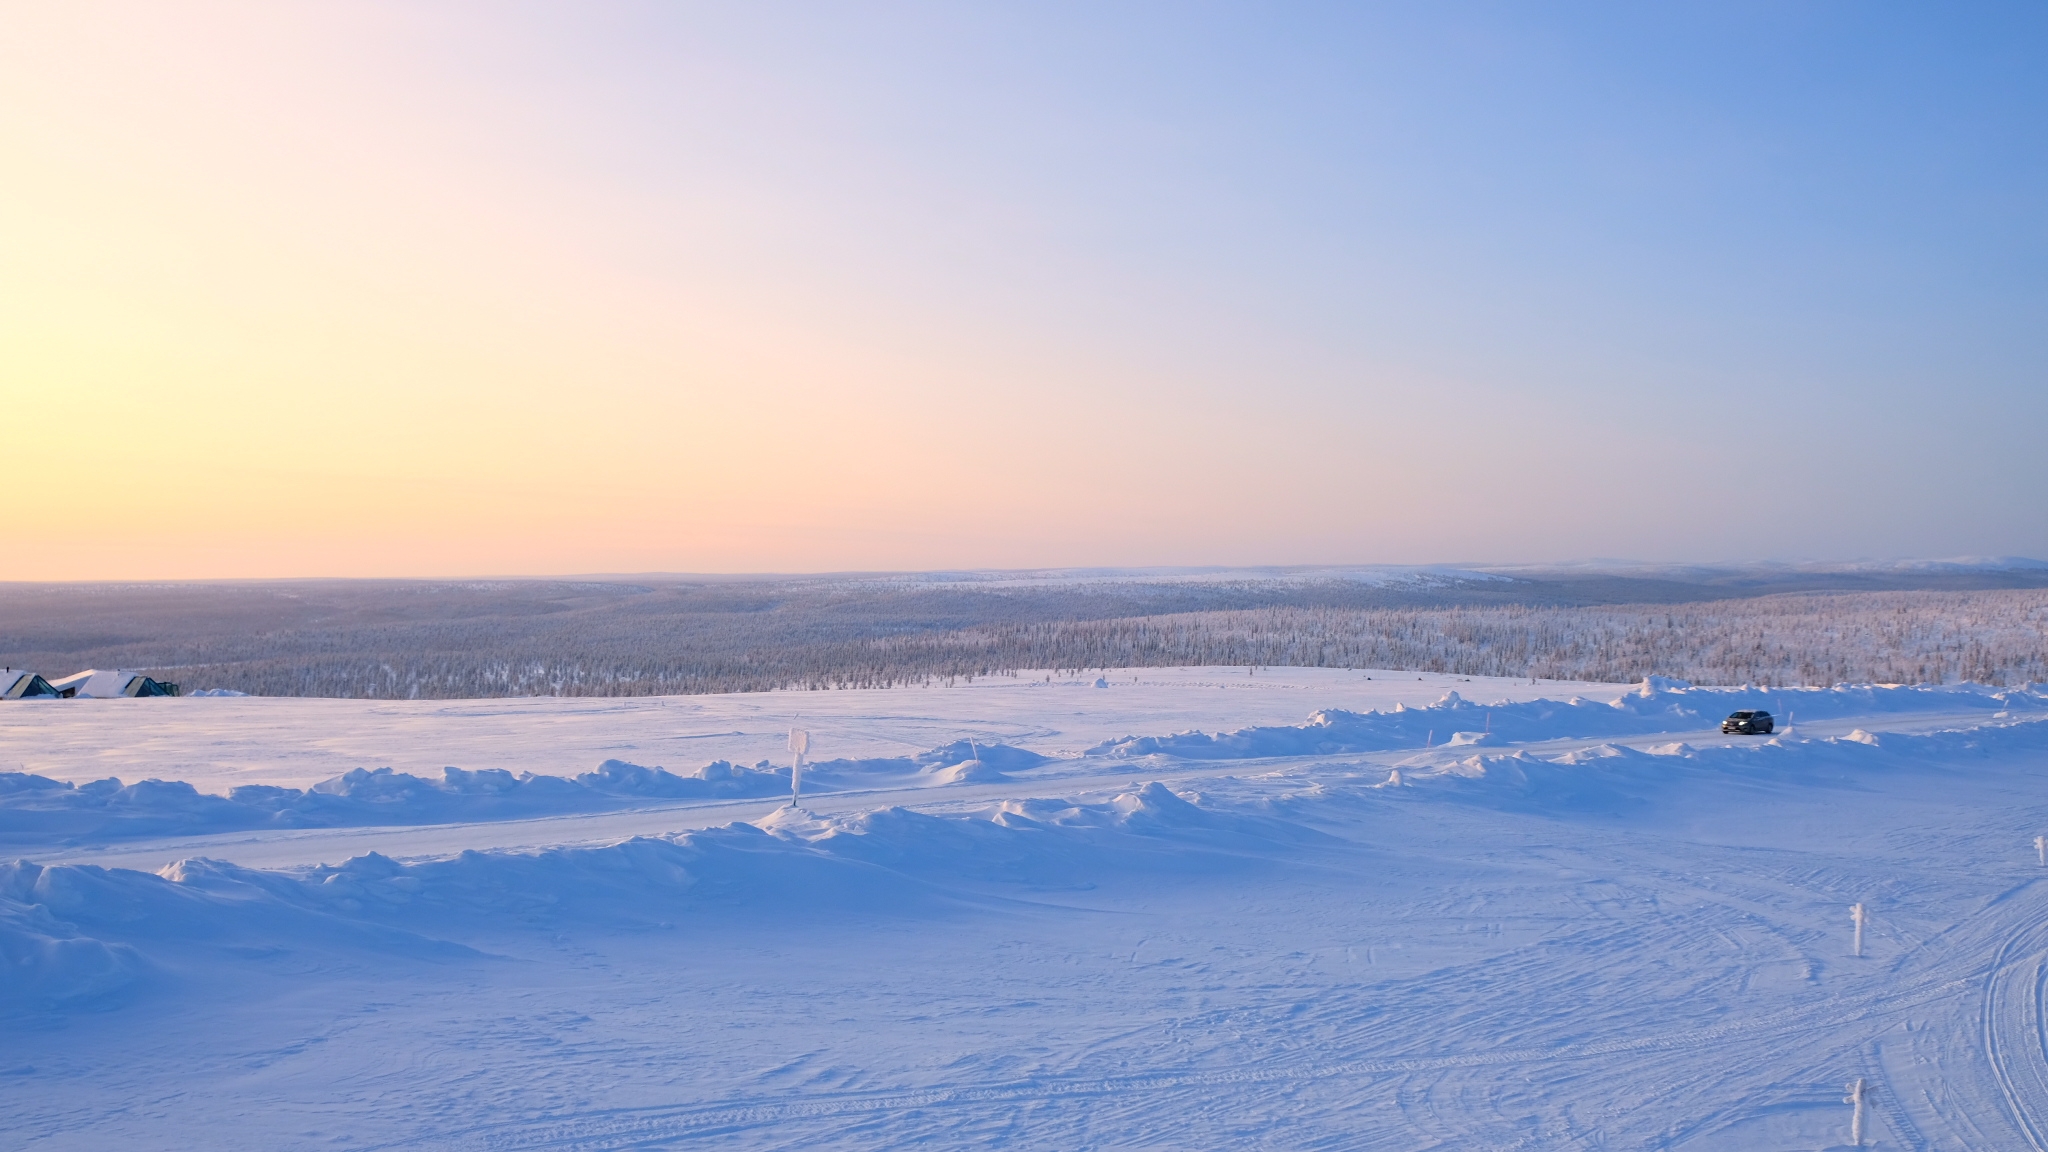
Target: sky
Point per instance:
(449, 289)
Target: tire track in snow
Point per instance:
(612, 1129)
(2013, 995)
(2015, 1032)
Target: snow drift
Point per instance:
(36, 811)
(1657, 705)
(73, 934)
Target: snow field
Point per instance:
(216, 744)
(1594, 926)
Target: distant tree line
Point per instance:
(522, 639)
(1892, 637)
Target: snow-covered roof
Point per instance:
(16, 683)
(100, 684)
(79, 683)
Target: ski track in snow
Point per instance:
(2015, 1031)
(1628, 935)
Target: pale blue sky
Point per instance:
(1042, 284)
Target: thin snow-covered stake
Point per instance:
(2041, 848)
(1857, 915)
(1855, 1100)
(799, 743)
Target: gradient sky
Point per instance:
(450, 289)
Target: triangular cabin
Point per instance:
(95, 684)
(21, 684)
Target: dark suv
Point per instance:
(1748, 724)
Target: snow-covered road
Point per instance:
(1080, 778)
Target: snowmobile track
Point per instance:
(615, 1130)
(2016, 1032)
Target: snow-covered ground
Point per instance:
(217, 743)
(1206, 909)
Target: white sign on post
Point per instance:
(799, 743)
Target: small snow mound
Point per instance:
(1393, 780)
(718, 778)
(1450, 699)
(480, 782)
(1155, 800)
(999, 757)
(216, 692)
(968, 772)
(49, 965)
(379, 786)
(1861, 737)
(1458, 738)
(1652, 685)
(1587, 755)
(793, 823)
(1471, 768)
(1678, 749)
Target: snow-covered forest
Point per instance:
(388, 640)
(1813, 639)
